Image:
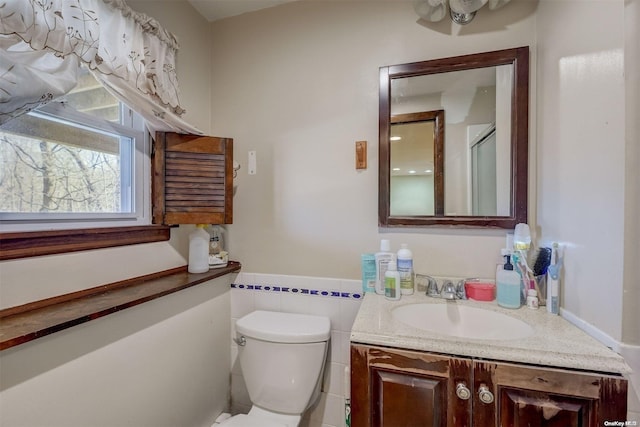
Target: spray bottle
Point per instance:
(405, 268)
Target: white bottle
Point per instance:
(382, 261)
(392, 282)
(532, 299)
(405, 268)
(198, 250)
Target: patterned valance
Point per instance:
(42, 43)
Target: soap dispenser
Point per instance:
(508, 285)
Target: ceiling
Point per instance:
(214, 10)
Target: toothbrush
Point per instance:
(553, 278)
(526, 274)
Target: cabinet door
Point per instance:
(192, 179)
(532, 397)
(398, 388)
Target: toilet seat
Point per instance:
(290, 328)
(243, 420)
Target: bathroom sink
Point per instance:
(462, 321)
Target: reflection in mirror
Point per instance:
(474, 100)
(417, 143)
(483, 173)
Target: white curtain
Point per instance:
(43, 42)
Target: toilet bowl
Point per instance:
(282, 357)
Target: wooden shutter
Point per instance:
(192, 179)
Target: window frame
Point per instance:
(139, 173)
(37, 243)
(42, 238)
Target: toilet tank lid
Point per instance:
(284, 327)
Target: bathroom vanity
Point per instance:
(403, 375)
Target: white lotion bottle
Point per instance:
(405, 268)
(198, 250)
(392, 282)
(383, 258)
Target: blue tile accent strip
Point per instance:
(303, 291)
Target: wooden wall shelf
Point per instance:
(31, 321)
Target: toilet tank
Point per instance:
(283, 358)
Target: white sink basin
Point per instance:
(462, 321)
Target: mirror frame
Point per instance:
(519, 58)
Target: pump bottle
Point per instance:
(508, 286)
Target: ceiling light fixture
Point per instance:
(461, 11)
(395, 138)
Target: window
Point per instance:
(79, 163)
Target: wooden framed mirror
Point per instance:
(478, 175)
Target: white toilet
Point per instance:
(282, 357)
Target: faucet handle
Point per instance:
(432, 287)
(461, 292)
(448, 290)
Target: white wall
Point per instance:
(581, 130)
(588, 158)
(298, 83)
(631, 322)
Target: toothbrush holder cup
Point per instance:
(541, 287)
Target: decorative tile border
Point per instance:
(301, 291)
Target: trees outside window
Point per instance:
(81, 159)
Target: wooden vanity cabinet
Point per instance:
(405, 388)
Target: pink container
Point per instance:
(480, 291)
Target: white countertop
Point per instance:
(554, 343)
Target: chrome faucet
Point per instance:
(448, 291)
(461, 292)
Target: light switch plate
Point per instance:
(252, 163)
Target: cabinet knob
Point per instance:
(484, 394)
(462, 391)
